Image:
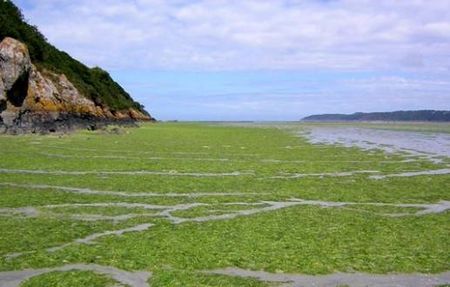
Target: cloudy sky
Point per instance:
(260, 59)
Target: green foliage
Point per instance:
(94, 83)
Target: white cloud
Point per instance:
(341, 55)
(252, 34)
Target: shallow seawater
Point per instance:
(433, 144)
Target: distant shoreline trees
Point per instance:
(401, 116)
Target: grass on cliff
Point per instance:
(242, 160)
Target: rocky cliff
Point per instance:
(39, 100)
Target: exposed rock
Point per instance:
(53, 93)
(33, 99)
(135, 114)
(2, 97)
(2, 89)
(14, 61)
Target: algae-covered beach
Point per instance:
(182, 203)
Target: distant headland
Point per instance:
(397, 116)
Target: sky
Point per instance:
(259, 59)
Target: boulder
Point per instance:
(2, 91)
(2, 98)
(15, 61)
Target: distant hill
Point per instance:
(419, 116)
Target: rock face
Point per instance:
(38, 100)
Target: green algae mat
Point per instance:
(196, 204)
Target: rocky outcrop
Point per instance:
(39, 100)
(14, 61)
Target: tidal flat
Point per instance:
(203, 204)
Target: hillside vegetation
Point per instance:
(94, 83)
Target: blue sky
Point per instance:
(260, 59)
